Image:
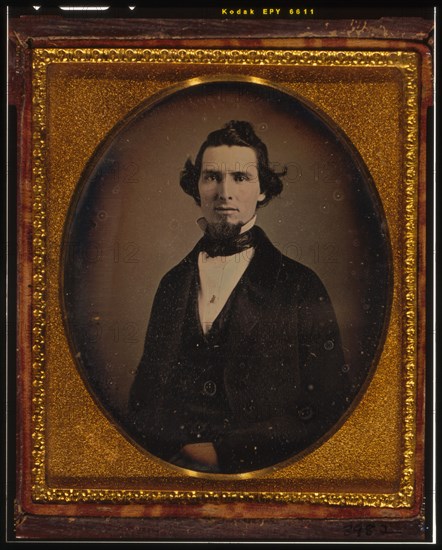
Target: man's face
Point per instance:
(229, 185)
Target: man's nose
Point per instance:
(225, 189)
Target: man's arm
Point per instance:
(321, 398)
(150, 421)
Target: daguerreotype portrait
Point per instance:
(247, 293)
(222, 317)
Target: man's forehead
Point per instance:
(229, 154)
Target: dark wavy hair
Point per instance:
(235, 132)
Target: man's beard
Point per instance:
(223, 230)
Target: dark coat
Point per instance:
(285, 377)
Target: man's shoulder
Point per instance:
(181, 269)
(288, 267)
(297, 271)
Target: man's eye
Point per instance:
(241, 177)
(211, 177)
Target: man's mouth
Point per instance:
(226, 209)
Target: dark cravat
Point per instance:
(228, 247)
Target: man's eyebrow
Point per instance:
(211, 171)
(240, 173)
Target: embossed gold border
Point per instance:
(407, 62)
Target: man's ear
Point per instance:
(261, 199)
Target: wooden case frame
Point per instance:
(44, 510)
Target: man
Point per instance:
(243, 366)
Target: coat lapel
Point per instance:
(176, 295)
(254, 295)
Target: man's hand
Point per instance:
(203, 453)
